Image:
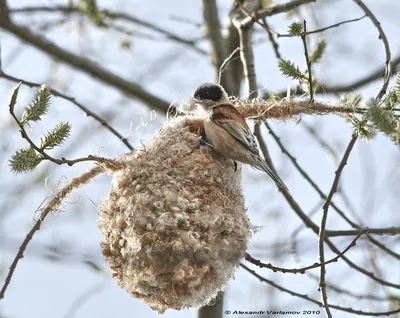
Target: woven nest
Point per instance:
(174, 225)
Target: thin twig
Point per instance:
(321, 142)
(53, 204)
(246, 49)
(332, 152)
(315, 228)
(262, 144)
(185, 20)
(302, 270)
(86, 110)
(382, 36)
(271, 32)
(322, 227)
(323, 29)
(378, 231)
(305, 175)
(343, 162)
(114, 15)
(274, 43)
(335, 288)
(265, 26)
(226, 62)
(306, 297)
(212, 31)
(86, 65)
(83, 298)
(307, 220)
(310, 82)
(322, 88)
(273, 10)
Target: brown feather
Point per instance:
(226, 112)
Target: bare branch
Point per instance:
(382, 36)
(265, 26)
(218, 53)
(225, 65)
(247, 58)
(85, 65)
(213, 32)
(310, 81)
(328, 233)
(273, 10)
(322, 227)
(271, 38)
(114, 16)
(322, 88)
(262, 144)
(306, 297)
(333, 287)
(305, 175)
(53, 204)
(378, 231)
(315, 228)
(83, 298)
(302, 270)
(246, 48)
(4, 12)
(235, 66)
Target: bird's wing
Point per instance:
(228, 117)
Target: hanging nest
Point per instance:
(174, 225)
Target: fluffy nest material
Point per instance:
(174, 225)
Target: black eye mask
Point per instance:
(208, 92)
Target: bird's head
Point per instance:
(209, 95)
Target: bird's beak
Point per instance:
(193, 101)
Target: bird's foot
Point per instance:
(201, 142)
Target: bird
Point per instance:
(227, 132)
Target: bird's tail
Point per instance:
(262, 165)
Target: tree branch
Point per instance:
(271, 38)
(114, 16)
(302, 270)
(382, 36)
(322, 88)
(246, 48)
(322, 227)
(85, 65)
(306, 297)
(259, 109)
(4, 11)
(310, 82)
(235, 66)
(212, 30)
(53, 204)
(273, 10)
(315, 228)
(319, 191)
(87, 112)
(279, 35)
